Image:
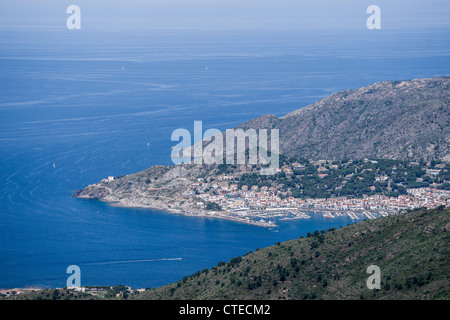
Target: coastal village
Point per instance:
(68, 293)
(277, 202)
(266, 201)
(300, 189)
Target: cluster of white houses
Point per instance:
(269, 197)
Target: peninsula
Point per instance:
(396, 133)
(360, 189)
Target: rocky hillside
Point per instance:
(411, 249)
(166, 188)
(406, 120)
(158, 187)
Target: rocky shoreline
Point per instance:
(187, 211)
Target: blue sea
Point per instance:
(76, 107)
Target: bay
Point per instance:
(77, 108)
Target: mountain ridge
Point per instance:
(404, 120)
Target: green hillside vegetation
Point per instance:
(351, 178)
(47, 294)
(411, 249)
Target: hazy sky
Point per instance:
(225, 14)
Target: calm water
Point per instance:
(90, 102)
